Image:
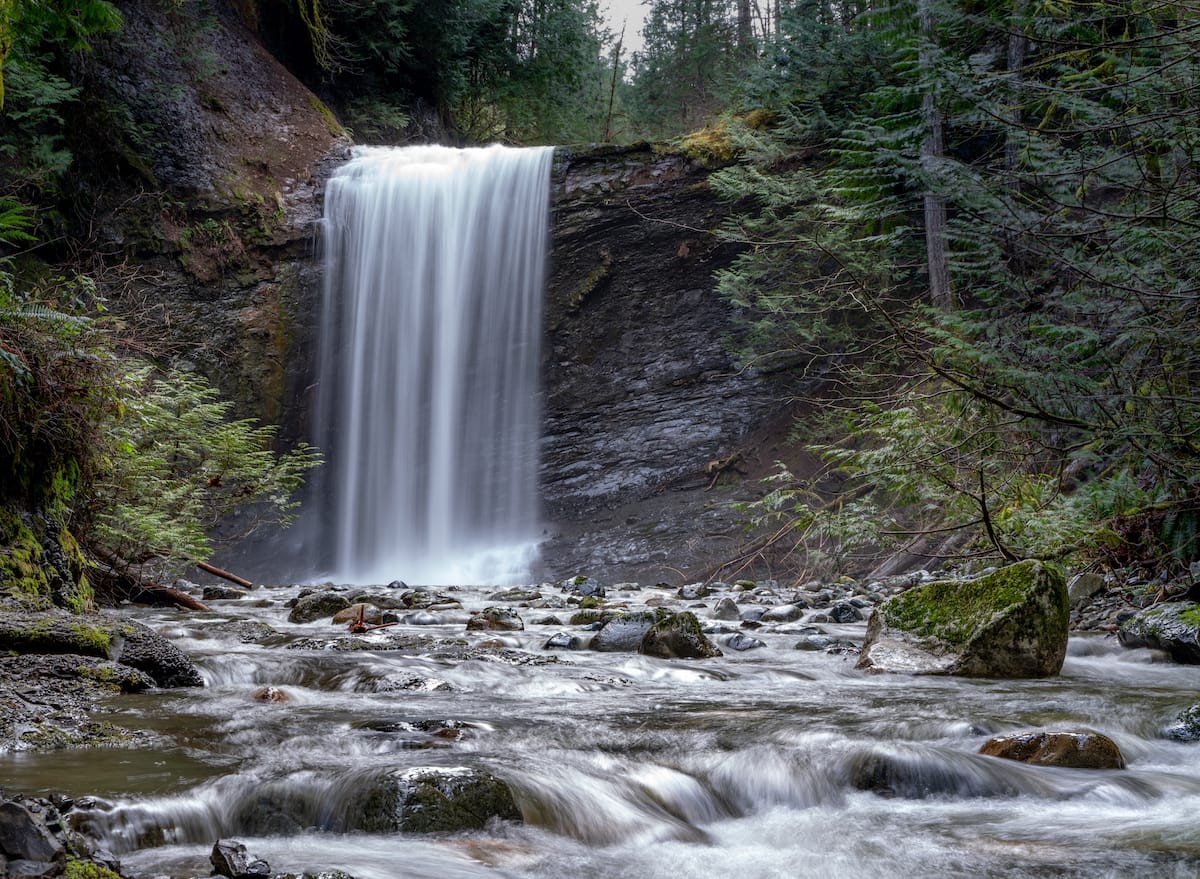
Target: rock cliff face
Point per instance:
(207, 194)
(641, 388)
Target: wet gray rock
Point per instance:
(431, 800)
(678, 636)
(844, 612)
(1073, 749)
(1082, 588)
(642, 386)
(25, 836)
(582, 586)
(693, 592)
(742, 642)
(318, 606)
(726, 609)
(412, 683)
(784, 613)
(503, 619)
(515, 596)
(1011, 623)
(816, 642)
(230, 858)
(247, 631)
(564, 641)
(1186, 727)
(655, 633)
(222, 593)
(1173, 627)
(916, 776)
(143, 648)
(623, 633)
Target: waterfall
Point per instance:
(428, 408)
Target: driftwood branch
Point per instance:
(225, 575)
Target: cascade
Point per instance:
(428, 408)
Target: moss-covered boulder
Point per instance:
(1073, 749)
(132, 644)
(318, 606)
(655, 633)
(430, 800)
(1173, 628)
(495, 619)
(1011, 623)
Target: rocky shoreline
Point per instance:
(61, 666)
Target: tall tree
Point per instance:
(1055, 409)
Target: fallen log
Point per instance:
(117, 583)
(225, 575)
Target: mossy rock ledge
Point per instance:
(127, 642)
(1011, 623)
(1173, 628)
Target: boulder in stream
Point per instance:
(1186, 727)
(317, 605)
(1072, 749)
(434, 799)
(915, 775)
(143, 648)
(655, 632)
(1011, 623)
(583, 586)
(230, 858)
(500, 619)
(1172, 627)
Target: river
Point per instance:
(747, 765)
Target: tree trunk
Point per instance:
(1018, 44)
(932, 152)
(745, 28)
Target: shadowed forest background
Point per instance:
(975, 221)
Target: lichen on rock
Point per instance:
(1011, 623)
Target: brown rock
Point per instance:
(270, 694)
(371, 615)
(1073, 749)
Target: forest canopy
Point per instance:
(976, 220)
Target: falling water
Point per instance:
(428, 402)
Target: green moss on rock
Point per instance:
(87, 870)
(952, 610)
(21, 573)
(1011, 623)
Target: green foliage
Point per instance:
(176, 464)
(514, 70)
(686, 71)
(37, 40)
(1053, 411)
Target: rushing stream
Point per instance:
(623, 765)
